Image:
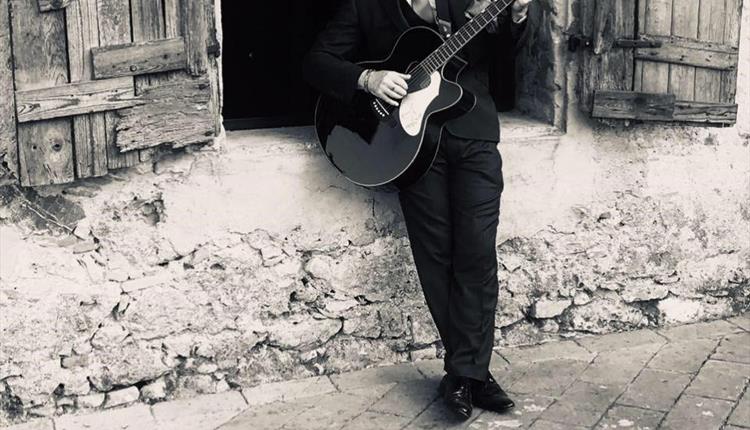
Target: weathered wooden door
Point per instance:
(91, 85)
(669, 60)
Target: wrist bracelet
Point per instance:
(368, 72)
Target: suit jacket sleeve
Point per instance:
(329, 65)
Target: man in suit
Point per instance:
(452, 213)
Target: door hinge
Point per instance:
(578, 41)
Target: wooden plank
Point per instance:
(174, 112)
(214, 51)
(684, 24)
(48, 5)
(8, 142)
(689, 55)
(710, 29)
(195, 31)
(701, 112)
(40, 61)
(657, 22)
(89, 131)
(633, 105)
(605, 67)
(731, 37)
(114, 29)
(75, 99)
(139, 58)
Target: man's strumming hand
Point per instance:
(385, 84)
(519, 9)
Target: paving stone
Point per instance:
(742, 321)
(376, 421)
(407, 399)
(734, 348)
(203, 412)
(720, 379)
(620, 340)
(697, 413)
(627, 417)
(655, 389)
(704, 330)
(547, 351)
(431, 369)
(549, 425)
(334, 410)
(686, 357)
(438, 417)
(583, 404)
(549, 378)
(288, 390)
(270, 416)
(528, 409)
(44, 424)
(619, 367)
(133, 418)
(731, 427)
(741, 414)
(376, 375)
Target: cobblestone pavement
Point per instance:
(692, 377)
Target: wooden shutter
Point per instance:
(667, 60)
(96, 84)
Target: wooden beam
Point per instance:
(713, 113)
(8, 141)
(75, 99)
(175, 113)
(40, 60)
(114, 29)
(89, 131)
(710, 29)
(633, 105)
(139, 58)
(690, 55)
(48, 5)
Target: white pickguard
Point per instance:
(413, 107)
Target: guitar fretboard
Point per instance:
(463, 36)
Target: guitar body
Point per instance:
(376, 145)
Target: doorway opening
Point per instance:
(264, 43)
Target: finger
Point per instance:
(389, 100)
(400, 91)
(404, 76)
(393, 94)
(400, 82)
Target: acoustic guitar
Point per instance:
(376, 145)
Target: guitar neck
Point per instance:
(463, 36)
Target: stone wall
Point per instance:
(251, 261)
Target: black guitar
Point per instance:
(374, 144)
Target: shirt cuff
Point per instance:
(520, 18)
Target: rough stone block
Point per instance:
(582, 404)
(655, 389)
(91, 401)
(43, 424)
(703, 330)
(202, 412)
(133, 418)
(156, 390)
(613, 341)
(720, 379)
(376, 376)
(288, 390)
(550, 308)
(122, 397)
(627, 417)
(686, 357)
(697, 413)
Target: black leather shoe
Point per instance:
(456, 391)
(491, 397)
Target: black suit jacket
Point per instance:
(365, 30)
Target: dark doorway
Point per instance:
(264, 42)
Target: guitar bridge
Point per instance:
(380, 110)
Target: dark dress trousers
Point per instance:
(452, 213)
